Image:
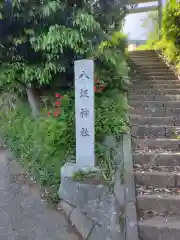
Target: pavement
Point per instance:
(24, 215)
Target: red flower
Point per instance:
(95, 88)
(49, 114)
(58, 103)
(56, 114)
(58, 95)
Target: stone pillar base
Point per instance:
(90, 204)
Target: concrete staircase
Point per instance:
(154, 99)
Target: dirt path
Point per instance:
(23, 214)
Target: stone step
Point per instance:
(156, 179)
(155, 131)
(151, 86)
(152, 190)
(159, 78)
(159, 203)
(138, 52)
(155, 104)
(157, 145)
(155, 112)
(163, 71)
(153, 91)
(156, 72)
(144, 59)
(147, 71)
(153, 71)
(163, 98)
(162, 159)
(144, 56)
(141, 80)
(160, 228)
(140, 61)
(148, 83)
(161, 74)
(149, 80)
(148, 65)
(143, 120)
(144, 64)
(153, 167)
(141, 67)
(156, 79)
(150, 68)
(143, 51)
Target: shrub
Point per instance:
(41, 145)
(169, 44)
(44, 144)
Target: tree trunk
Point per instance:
(34, 101)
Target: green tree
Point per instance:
(171, 22)
(40, 40)
(170, 42)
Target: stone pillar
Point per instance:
(84, 112)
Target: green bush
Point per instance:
(169, 43)
(41, 40)
(43, 145)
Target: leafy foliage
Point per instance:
(170, 39)
(45, 143)
(109, 13)
(170, 43)
(40, 40)
(38, 45)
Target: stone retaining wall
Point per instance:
(99, 211)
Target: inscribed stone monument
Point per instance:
(84, 112)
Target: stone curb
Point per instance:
(85, 226)
(129, 192)
(81, 222)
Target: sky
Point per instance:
(132, 25)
